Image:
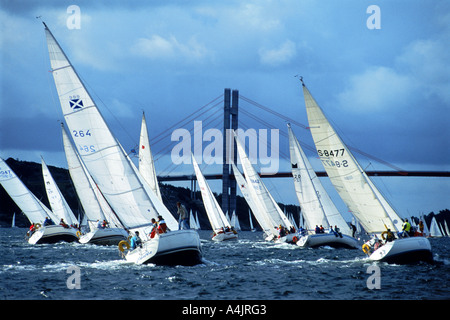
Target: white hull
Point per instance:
(181, 247)
(288, 238)
(327, 239)
(53, 234)
(405, 250)
(225, 236)
(107, 236)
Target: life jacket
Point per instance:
(162, 227)
(407, 226)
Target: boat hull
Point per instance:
(181, 247)
(404, 251)
(290, 238)
(105, 237)
(327, 239)
(53, 234)
(225, 236)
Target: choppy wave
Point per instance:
(249, 268)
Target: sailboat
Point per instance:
(435, 231)
(447, 231)
(360, 194)
(235, 221)
(192, 222)
(275, 223)
(252, 228)
(36, 212)
(316, 205)
(120, 182)
(96, 208)
(219, 223)
(58, 203)
(13, 222)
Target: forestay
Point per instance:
(103, 156)
(353, 185)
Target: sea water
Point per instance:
(248, 268)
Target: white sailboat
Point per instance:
(276, 224)
(447, 231)
(146, 163)
(192, 222)
(317, 207)
(121, 184)
(252, 228)
(235, 221)
(13, 222)
(34, 209)
(360, 194)
(95, 206)
(435, 231)
(219, 223)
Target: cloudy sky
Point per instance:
(387, 89)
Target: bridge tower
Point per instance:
(230, 110)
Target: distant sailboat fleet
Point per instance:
(122, 202)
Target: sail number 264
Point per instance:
(83, 134)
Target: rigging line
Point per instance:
(269, 143)
(282, 132)
(306, 127)
(192, 114)
(162, 152)
(256, 104)
(184, 121)
(171, 165)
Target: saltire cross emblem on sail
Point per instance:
(76, 104)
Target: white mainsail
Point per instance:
(57, 201)
(235, 221)
(351, 182)
(447, 231)
(262, 219)
(214, 212)
(260, 194)
(435, 231)
(94, 204)
(192, 222)
(316, 204)
(109, 166)
(30, 205)
(146, 163)
(252, 228)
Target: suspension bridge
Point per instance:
(223, 112)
